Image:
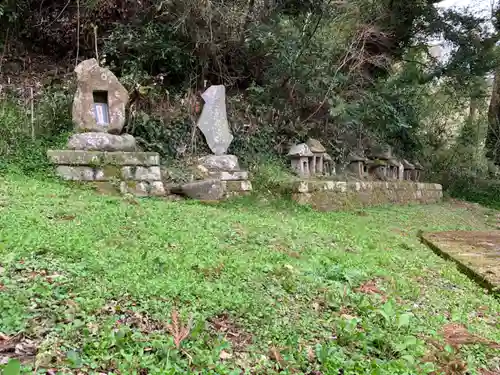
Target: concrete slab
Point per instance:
(476, 253)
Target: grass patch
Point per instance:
(93, 284)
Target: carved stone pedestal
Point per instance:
(137, 173)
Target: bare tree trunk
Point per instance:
(493, 134)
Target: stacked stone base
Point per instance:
(234, 183)
(342, 195)
(221, 176)
(219, 186)
(137, 173)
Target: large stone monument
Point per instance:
(224, 177)
(98, 152)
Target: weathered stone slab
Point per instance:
(476, 253)
(81, 157)
(98, 141)
(75, 173)
(107, 173)
(341, 195)
(157, 189)
(94, 81)
(220, 162)
(213, 120)
(229, 176)
(235, 186)
(210, 190)
(141, 173)
(137, 188)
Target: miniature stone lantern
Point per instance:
(393, 171)
(317, 160)
(299, 157)
(377, 169)
(328, 166)
(417, 172)
(378, 165)
(357, 165)
(408, 170)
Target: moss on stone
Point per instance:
(106, 187)
(354, 195)
(111, 171)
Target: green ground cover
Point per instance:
(109, 285)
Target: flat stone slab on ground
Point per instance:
(476, 252)
(211, 190)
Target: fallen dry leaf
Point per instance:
(238, 338)
(225, 355)
(310, 354)
(276, 356)
(370, 287)
(179, 331)
(456, 334)
(67, 217)
(18, 347)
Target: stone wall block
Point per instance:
(75, 173)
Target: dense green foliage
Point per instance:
(93, 281)
(347, 73)
(481, 190)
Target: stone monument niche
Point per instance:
(98, 152)
(101, 108)
(98, 88)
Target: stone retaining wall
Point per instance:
(138, 173)
(341, 195)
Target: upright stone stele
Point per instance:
(98, 152)
(100, 99)
(213, 120)
(225, 178)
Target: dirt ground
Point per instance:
(478, 252)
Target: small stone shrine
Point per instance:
(299, 156)
(408, 170)
(317, 160)
(378, 165)
(98, 152)
(328, 166)
(357, 165)
(394, 169)
(417, 172)
(224, 177)
(310, 159)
